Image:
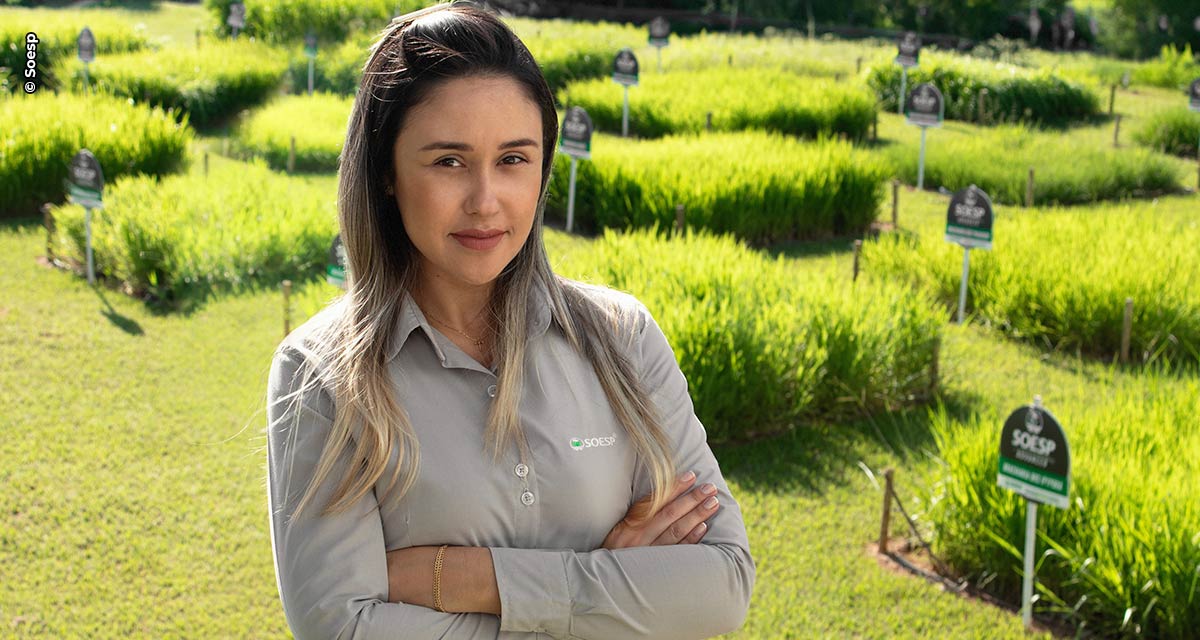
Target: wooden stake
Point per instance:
(679, 213)
(875, 127)
(1126, 330)
(287, 307)
(291, 161)
(1117, 132)
(1112, 99)
(933, 367)
(983, 93)
(858, 65)
(895, 204)
(857, 252)
(197, 38)
(48, 221)
(708, 121)
(205, 164)
(887, 510)
(1029, 190)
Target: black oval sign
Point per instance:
(87, 45)
(237, 15)
(335, 272)
(909, 44)
(625, 67)
(84, 171)
(969, 218)
(925, 105)
(1035, 458)
(577, 132)
(660, 31)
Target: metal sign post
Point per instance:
(1194, 99)
(576, 142)
(85, 186)
(310, 50)
(660, 36)
(625, 73)
(909, 45)
(87, 53)
(1035, 462)
(969, 224)
(924, 108)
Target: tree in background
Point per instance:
(1140, 28)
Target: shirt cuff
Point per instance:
(534, 595)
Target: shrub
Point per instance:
(564, 50)
(318, 123)
(1174, 69)
(998, 161)
(337, 69)
(825, 58)
(208, 84)
(1174, 131)
(767, 99)
(567, 51)
(1014, 94)
(760, 347)
(185, 237)
(761, 187)
(43, 132)
(279, 21)
(1061, 278)
(1123, 560)
(58, 32)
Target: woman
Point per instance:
(455, 446)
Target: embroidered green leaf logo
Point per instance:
(576, 444)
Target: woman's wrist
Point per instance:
(469, 581)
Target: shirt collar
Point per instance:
(411, 317)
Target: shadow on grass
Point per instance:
(128, 325)
(813, 457)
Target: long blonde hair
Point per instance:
(413, 54)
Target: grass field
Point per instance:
(168, 534)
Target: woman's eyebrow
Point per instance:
(462, 146)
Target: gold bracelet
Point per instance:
(437, 579)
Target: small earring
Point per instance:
(388, 189)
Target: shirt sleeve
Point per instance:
(677, 591)
(331, 570)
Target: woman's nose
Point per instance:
(484, 197)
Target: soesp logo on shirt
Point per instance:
(579, 444)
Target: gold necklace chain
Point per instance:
(478, 342)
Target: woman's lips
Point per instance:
(479, 243)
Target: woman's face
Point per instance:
(468, 173)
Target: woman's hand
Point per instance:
(680, 520)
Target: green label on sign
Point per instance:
(84, 197)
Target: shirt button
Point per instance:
(492, 391)
(527, 498)
(522, 470)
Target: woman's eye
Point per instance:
(448, 162)
(513, 160)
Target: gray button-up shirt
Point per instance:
(543, 520)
